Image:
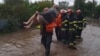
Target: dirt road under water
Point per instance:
(27, 43)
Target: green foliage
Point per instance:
(79, 4)
(14, 2)
(17, 11)
(12, 25)
(89, 8)
(97, 12)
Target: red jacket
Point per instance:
(58, 21)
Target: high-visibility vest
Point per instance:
(50, 26)
(58, 20)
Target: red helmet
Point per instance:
(69, 10)
(78, 11)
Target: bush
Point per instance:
(12, 25)
(16, 14)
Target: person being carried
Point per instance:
(31, 19)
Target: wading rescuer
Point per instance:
(80, 22)
(47, 21)
(58, 27)
(64, 26)
(72, 28)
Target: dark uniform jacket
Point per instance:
(72, 22)
(80, 21)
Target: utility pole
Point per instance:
(93, 7)
(78, 4)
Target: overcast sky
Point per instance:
(71, 2)
(56, 1)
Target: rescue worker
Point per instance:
(64, 26)
(72, 28)
(47, 29)
(46, 20)
(58, 27)
(47, 32)
(43, 27)
(79, 24)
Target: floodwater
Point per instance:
(27, 43)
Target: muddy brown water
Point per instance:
(27, 43)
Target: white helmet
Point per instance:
(78, 11)
(63, 11)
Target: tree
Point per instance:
(63, 4)
(79, 4)
(97, 12)
(13, 2)
(17, 11)
(89, 8)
